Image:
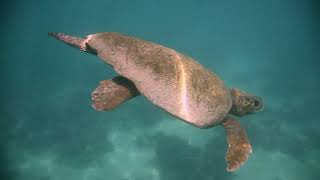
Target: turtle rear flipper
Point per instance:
(77, 42)
(239, 146)
(113, 92)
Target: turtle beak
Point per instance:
(79, 43)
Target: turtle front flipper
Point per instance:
(239, 146)
(113, 92)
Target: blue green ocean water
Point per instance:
(50, 132)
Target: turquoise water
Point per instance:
(50, 132)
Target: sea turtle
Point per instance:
(172, 81)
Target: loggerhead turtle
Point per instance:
(172, 81)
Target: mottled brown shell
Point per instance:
(170, 80)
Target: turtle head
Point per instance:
(244, 103)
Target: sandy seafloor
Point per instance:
(50, 132)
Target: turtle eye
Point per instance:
(256, 103)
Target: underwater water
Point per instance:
(49, 130)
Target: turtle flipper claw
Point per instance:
(239, 147)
